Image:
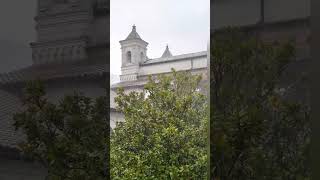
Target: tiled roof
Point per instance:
(9, 105)
(175, 58)
(129, 84)
(51, 71)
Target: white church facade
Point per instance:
(136, 67)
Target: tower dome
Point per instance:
(166, 53)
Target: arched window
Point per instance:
(141, 56)
(129, 56)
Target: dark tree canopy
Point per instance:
(68, 138)
(255, 132)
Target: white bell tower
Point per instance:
(134, 52)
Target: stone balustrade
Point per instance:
(130, 77)
(43, 54)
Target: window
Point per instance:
(129, 56)
(141, 56)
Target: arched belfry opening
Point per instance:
(129, 56)
(142, 56)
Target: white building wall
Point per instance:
(115, 117)
(200, 63)
(9, 105)
(164, 67)
(180, 65)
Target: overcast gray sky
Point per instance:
(183, 24)
(16, 32)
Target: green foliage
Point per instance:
(164, 135)
(68, 138)
(255, 132)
